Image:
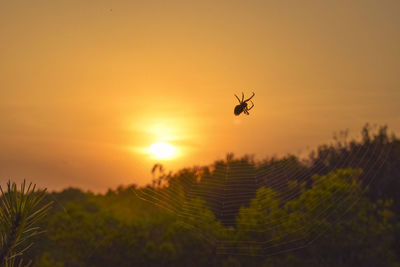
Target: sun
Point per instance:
(162, 150)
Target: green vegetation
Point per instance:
(20, 212)
(340, 207)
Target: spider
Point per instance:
(242, 107)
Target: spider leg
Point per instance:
(250, 97)
(238, 99)
(242, 96)
(252, 105)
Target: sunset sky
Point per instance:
(86, 87)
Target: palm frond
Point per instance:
(20, 211)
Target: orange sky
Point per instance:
(87, 86)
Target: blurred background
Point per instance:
(93, 94)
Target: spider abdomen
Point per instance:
(239, 109)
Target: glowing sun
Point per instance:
(162, 150)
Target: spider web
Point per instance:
(236, 181)
(230, 182)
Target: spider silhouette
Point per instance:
(242, 107)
